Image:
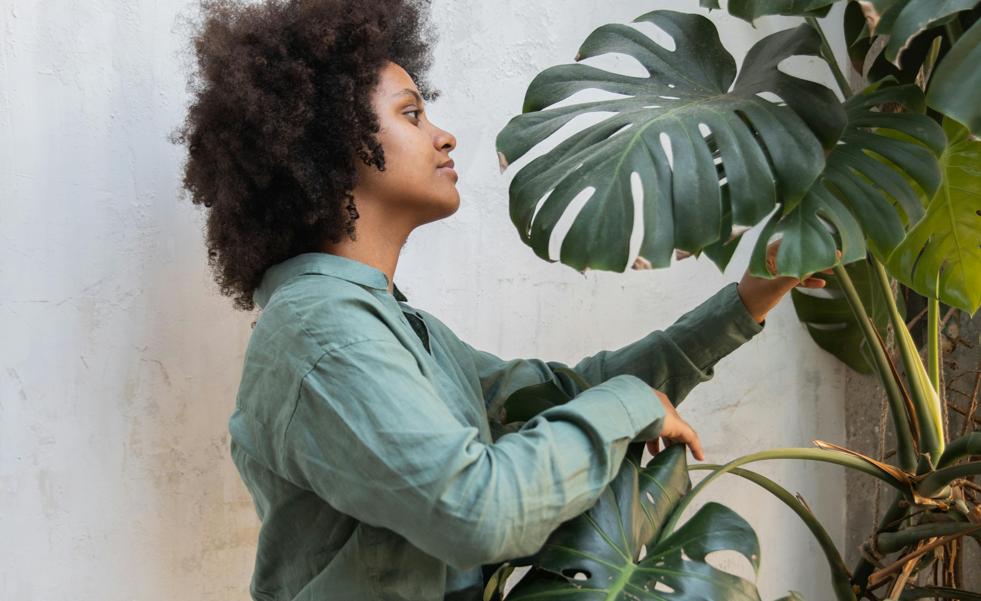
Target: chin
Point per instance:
(449, 206)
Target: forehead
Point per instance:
(396, 84)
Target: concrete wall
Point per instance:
(120, 361)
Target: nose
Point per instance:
(444, 139)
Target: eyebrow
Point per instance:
(408, 92)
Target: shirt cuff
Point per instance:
(741, 317)
(642, 405)
(715, 328)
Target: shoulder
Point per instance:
(325, 313)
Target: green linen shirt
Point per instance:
(361, 432)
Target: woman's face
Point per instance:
(412, 188)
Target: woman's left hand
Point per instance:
(762, 294)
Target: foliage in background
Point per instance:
(889, 179)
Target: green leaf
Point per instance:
(859, 43)
(904, 20)
(598, 554)
(946, 238)
(525, 403)
(793, 596)
(840, 577)
(832, 324)
(750, 10)
(956, 83)
(768, 150)
(867, 174)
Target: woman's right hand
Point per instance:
(675, 430)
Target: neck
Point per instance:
(377, 245)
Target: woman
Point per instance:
(362, 424)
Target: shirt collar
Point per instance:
(322, 264)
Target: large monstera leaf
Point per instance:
(767, 151)
(750, 10)
(903, 20)
(599, 555)
(946, 241)
(870, 187)
(900, 20)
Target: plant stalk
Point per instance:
(824, 455)
(890, 522)
(936, 480)
(926, 401)
(841, 579)
(969, 444)
(897, 406)
(933, 339)
(890, 542)
(882, 574)
(829, 57)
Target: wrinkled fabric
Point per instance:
(361, 429)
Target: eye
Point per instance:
(416, 111)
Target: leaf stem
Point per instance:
(881, 575)
(890, 522)
(933, 338)
(897, 406)
(829, 57)
(824, 455)
(969, 444)
(840, 577)
(936, 480)
(926, 401)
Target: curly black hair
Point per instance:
(280, 110)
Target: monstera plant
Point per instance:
(882, 184)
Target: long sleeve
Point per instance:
(371, 436)
(682, 356)
(673, 360)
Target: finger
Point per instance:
(690, 438)
(831, 270)
(771, 256)
(696, 448)
(814, 283)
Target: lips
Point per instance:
(448, 168)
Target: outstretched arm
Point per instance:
(673, 360)
(678, 358)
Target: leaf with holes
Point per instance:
(947, 239)
(750, 10)
(868, 191)
(830, 320)
(904, 20)
(598, 554)
(768, 151)
(869, 59)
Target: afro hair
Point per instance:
(280, 111)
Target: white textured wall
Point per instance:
(120, 361)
